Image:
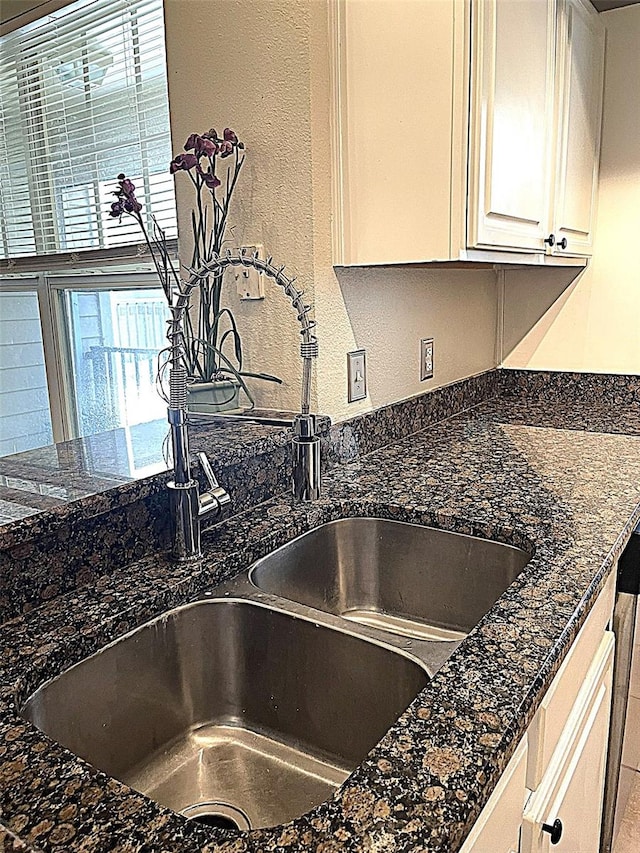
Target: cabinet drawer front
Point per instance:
(552, 715)
(573, 786)
(498, 826)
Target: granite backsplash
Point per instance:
(75, 515)
(591, 388)
(373, 430)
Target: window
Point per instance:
(113, 338)
(78, 355)
(83, 96)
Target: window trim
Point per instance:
(35, 283)
(83, 261)
(21, 19)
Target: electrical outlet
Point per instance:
(426, 359)
(249, 282)
(357, 375)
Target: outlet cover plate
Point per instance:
(426, 359)
(356, 375)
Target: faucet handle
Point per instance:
(216, 497)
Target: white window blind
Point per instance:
(83, 96)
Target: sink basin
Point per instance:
(410, 580)
(229, 711)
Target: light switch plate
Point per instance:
(249, 282)
(357, 375)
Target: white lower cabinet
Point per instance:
(571, 791)
(497, 830)
(554, 783)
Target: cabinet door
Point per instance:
(580, 55)
(394, 66)
(573, 786)
(498, 826)
(511, 132)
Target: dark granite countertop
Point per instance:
(571, 492)
(86, 476)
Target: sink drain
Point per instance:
(220, 815)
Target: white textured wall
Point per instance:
(594, 324)
(262, 66)
(386, 310)
(246, 65)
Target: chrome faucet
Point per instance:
(187, 503)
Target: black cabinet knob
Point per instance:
(563, 243)
(551, 239)
(554, 831)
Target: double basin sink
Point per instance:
(250, 706)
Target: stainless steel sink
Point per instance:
(228, 710)
(410, 580)
(247, 709)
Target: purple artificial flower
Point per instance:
(117, 209)
(209, 221)
(201, 146)
(192, 142)
(210, 179)
(127, 200)
(183, 161)
(127, 186)
(132, 205)
(208, 147)
(228, 143)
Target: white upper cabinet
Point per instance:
(511, 123)
(393, 83)
(581, 68)
(464, 129)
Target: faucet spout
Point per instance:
(305, 442)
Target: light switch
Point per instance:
(357, 375)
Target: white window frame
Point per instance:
(37, 283)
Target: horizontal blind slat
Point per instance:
(81, 15)
(83, 96)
